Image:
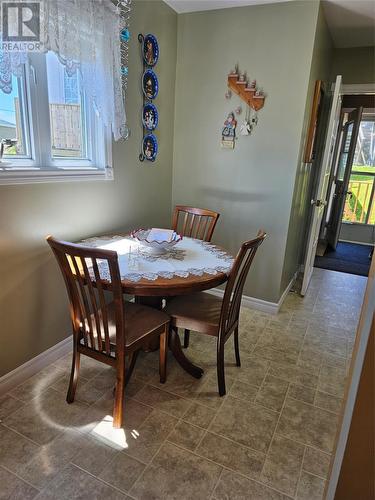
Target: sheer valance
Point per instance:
(86, 36)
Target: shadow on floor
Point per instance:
(347, 258)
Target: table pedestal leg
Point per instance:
(175, 347)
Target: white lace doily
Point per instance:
(188, 257)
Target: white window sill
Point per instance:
(33, 175)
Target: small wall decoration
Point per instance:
(150, 147)
(150, 88)
(150, 117)
(150, 50)
(150, 84)
(248, 92)
(124, 8)
(310, 148)
(228, 134)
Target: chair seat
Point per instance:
(198, 311)
(140, 321)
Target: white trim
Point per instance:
(259, 304)
(358, 242)
(358, 88)
(42, 176)
(14, 378)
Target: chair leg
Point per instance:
(220, 370)
(73, 375)
(237, 348)
(133, 359)
(163, 355)
(186, 338)
(119, 396)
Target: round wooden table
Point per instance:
(151, 291)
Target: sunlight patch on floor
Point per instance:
(104, 430)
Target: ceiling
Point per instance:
(351, 22)
(183, 6)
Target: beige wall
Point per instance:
(33, 306)
(306, 173)
(356, 65)
(253, 185)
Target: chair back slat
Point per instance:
(234, 288)
(194, 222)
(93, 305)
(106, 347)
(88, 273)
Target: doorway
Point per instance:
(347, 234)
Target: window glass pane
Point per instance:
(66, 106)
(364, 158)
(13, 119)
(360, 205)
(344, 154)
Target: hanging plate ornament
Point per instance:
(150, 50)
(150, 84)
(150, 117)
(150, 147)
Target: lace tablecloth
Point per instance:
(188, 257)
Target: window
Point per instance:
(360, 204)
(48, 129)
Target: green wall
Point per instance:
(356, 65)
(306, 173)
(253, 185)
(33, 305)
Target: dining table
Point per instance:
(190, 266)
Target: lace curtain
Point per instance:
(85, 35)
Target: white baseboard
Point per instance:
(14, 378)
(259, 304)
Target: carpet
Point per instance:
(347, 258)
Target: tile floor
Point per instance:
(271, 437)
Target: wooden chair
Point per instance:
(105, 330)
(193, 222)
(208, 314)
(196, 223)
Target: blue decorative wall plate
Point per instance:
(150, 50)
(150, 117)
(150, 84)
(150, 147)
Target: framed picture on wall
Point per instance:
(310, 149)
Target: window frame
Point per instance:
(39, 165)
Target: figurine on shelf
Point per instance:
(241, 78)
(253, 84)
(259, 93)
(245, 128)
(229, 131)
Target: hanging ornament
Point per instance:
(238, 110)
(228, 94)
(125, 35)
(124, 8)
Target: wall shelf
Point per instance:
(245, 93)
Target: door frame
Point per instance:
(319, 190)
(333, 218)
